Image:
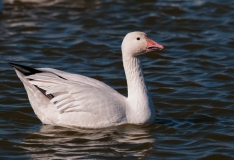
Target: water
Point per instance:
(191, 80)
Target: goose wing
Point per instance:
(80, 95)
(73, 99)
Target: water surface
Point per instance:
(191, 80)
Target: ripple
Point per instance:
(193, 46)
(222, 77)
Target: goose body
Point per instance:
(62, 98)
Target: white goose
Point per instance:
(61, 98)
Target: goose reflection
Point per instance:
(57, 142)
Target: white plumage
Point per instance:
(62, 98)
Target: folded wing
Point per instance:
(77, 95)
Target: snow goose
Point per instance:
(61, 98)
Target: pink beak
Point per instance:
(152, 45)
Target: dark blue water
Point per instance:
(191, 80)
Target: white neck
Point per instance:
(140, 105)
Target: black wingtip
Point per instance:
(24, 69)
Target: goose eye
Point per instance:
(138, 38)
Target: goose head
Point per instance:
(137, 43)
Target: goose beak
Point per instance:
(152, 45)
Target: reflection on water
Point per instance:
(87, 143)
(191, 80)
